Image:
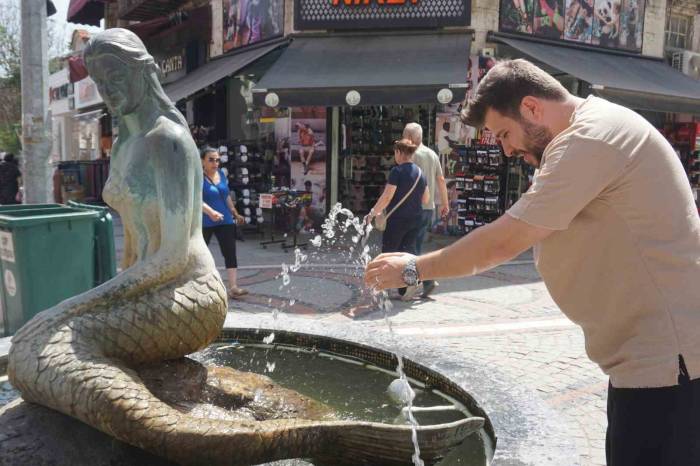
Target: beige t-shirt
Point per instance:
(429, 163)
(624, 261)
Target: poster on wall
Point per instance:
(632, 24)
(605, 23)
(450, 132)
(86, 93)
(516, 16)
(578, 23)
(548, 19)
(249, 21)
(301, 141)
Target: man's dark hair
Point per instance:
(503, 89)
(9, 157)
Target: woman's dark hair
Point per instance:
(405, 146)
(207, 150)
(504, 87)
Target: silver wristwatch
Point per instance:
(410, 273)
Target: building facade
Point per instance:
(307, 95)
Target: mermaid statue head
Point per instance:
(126, 74)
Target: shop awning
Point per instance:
(638, 82)
(86, 11)
(183, 25)
(384, 69)
(215, 70)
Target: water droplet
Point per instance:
(269, 339)
(316, 242)
(270, 366)
(292, 301)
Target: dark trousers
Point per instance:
(400, 236)
(226, 236)
(654, 426)
(426, 224)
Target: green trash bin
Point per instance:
(105, 253)
(46, 256)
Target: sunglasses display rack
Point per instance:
(368, 155)
(481, 183)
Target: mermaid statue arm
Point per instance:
(173, 189)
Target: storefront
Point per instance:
(335, 102)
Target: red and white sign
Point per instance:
(266, 201)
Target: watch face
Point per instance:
(410, 275)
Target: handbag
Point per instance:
(380, 219)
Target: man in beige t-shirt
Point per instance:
(617, 241)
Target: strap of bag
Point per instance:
(406, 196)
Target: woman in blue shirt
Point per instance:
(220, 216)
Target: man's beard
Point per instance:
(537, 138)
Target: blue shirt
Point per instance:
(215, 195)
(403, 177)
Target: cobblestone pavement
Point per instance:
(504, 318)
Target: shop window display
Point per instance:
(284, 160)
(368, 134)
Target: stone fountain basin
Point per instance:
(31, 434)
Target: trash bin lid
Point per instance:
(29, 217)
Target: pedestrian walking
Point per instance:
(429, 163)
(617, 241)
(404, 194)
(220, 216)
(10, 178)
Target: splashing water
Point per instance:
(269, 339)
(285, 275)
(380, 298)
(299, 259)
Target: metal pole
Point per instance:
(35, 103)
(335, 154)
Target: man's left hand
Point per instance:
(444, 210)
(386, 270)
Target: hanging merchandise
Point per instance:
(248, 174)
(368, 155)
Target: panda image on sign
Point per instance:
(607, 15)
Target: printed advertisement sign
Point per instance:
(364, 14)
(249, 21)
(301, 140)
(86, 93)
(617, 24)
